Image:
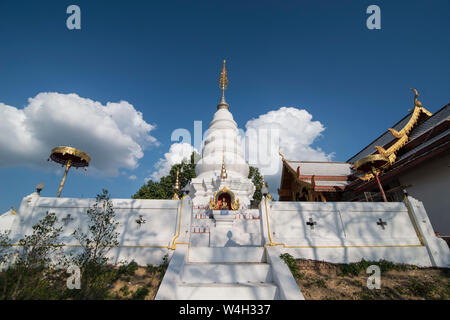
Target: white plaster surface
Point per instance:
(282, 276)
(146, 243)
(219, 274)
(6, 221)
(349, 231)
(430, 184)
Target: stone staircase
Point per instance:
(237, 273)
(224, 273)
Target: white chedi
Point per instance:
(222, 143)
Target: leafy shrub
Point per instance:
(129, 269)
(125, 291)
(140, 293)
(96, 276)
(160, 269)
(292, 264)
(30, 275)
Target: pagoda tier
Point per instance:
(222, 145)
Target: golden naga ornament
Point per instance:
(401, 135)
(281, 155)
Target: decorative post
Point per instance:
(176, 188)
(223, 172)
(223, 84)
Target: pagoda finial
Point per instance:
(223, 172)
(223, 84)
(177, 186)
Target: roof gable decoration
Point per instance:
(402, 136)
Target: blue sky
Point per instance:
(164, 58)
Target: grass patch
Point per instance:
(292, 264)
(355, 269)
(128, 269)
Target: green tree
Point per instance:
(100, 238)
(164, 188)
(30, 276)
(256, 177)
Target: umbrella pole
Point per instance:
(380, 186)
(68, 164)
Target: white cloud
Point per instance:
(289, 129)
(132, 177)
(177, 153)
(114, 135)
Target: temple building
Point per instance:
(220, 247)
(416, 151)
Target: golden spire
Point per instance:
(223, 173)
(177, 186)
(223, 84)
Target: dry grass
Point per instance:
(325, 281)
(127, 286)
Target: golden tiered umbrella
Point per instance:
(69, 157)
(373, 163)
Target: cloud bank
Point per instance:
(290, 130)
(114, 135)
(177, 153)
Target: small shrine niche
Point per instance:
(224, 199)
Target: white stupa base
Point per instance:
(204, 187)
(224, 218)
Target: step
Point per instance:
(227, 291)
(226, 273)
(226, 254)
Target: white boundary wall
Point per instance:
(146, 243)
(346, 232)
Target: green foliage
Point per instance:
(256, 177)
(125, 291)
(161, 269)
(164, 188)
(128, 269)
(29, 277)
(37, 249)
(356, 268)
(5, 247)
(101, 237)
(292, 264)
(140, 293)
